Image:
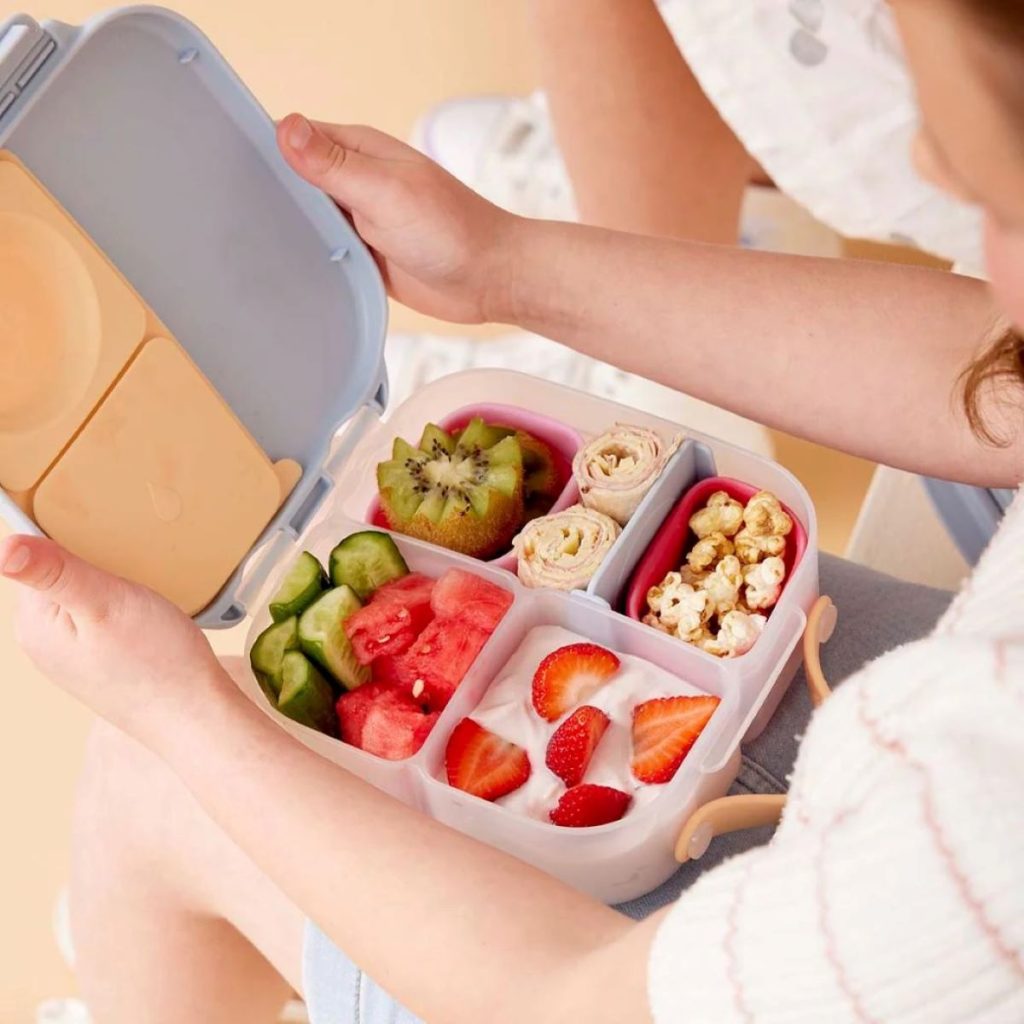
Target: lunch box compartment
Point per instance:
(629, 857)
(668, 549)
(563, 441)
(776, 654)
(421, 558)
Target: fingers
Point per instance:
(368, 141)
(49, 570)
(345, 162)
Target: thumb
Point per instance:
(43, 566)
(346, 174)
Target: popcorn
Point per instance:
(679, 606)
(766, 526)
(765, 516)
(721, 514)
(751, 549)
(708, 550)
(737, 633)
(652, 620)
(722, 586)
(763, 582)
(692, 576)
(733, 572)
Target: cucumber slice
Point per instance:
(365, 561)
(268, 653)
(306, 697)
(322, 636)
(304, 583)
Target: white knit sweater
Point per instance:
(893, 889)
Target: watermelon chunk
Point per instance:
(385, 670)
(392, 620)
(461, 596)
(384, 721)
(413, 590)
(435, 664)
(353, 707)
(396, 726)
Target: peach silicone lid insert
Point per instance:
(107, 428)
(163, 485)
(68, 326)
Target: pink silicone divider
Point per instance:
(675, 539)
(563, 441)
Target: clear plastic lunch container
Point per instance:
(254, 289)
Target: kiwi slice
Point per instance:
(541, 483)
(465, 494)
(541, 476)
(435, 439)
(478, 434)
(402, 450)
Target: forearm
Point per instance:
(645, 148)
(452, 928)
(814, 347)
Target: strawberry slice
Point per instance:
(574, 743)
(570, 675)
(664, 730)
(483, 764)
(588, 805)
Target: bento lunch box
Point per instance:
(166, 164)
(623, 860)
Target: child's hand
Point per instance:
(127, 653)
(443, 249)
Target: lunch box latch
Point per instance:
(24, 49)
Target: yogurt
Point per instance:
(507, 710)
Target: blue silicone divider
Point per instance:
(692, 462)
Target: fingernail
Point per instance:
(16, 561)
(300, 132)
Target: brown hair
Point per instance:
(1004, 17)
(1002, 363)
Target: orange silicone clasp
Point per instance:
(727, 814)
(821, 624)
(733, 813)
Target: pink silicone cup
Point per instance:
(562, 439)
(668, 549)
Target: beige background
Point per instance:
(381, 62)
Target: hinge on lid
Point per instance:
(24, 49)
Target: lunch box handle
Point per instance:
(734, 813)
